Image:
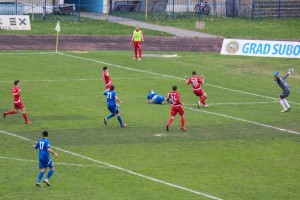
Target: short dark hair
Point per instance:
(45, 133)
(104, 68)
(174, 87)
(16, 82)
(112, 87)
(194, 72)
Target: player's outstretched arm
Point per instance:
(285, 76)
(187, 80)
(202, 77)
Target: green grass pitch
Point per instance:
(241, 147)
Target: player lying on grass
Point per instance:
(154, 98)
(285, 89)
(198, 91)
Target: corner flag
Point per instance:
(57, 28)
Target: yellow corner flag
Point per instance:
(57, 28)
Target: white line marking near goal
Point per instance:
(26, 53)
(119, 168)
(245, 103)
(168, 76)
(244, 120)
(82, 79)
(56, 163)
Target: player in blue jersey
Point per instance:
(111, 98)
(154, 98)
(285, 90)
(43, 145)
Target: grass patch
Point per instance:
(218, 155)
(272, 29)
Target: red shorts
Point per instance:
(137, 44)
(199, 92)
(19, 105)
(108, 86)
(177, 109)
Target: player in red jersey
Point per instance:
(176, 107)
(198, 91)
(106, 78)
(16, 93)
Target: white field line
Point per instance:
(56, 163)
(100, 79)
(245, 103)
(168, 76)
(26, 53)
(244, 120)
(118, 168)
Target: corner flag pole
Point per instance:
(57, 28)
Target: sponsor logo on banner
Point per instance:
(232, 47)
(15, 22)
(262, 48)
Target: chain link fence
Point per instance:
(113, 10)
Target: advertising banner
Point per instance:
(14, 22)
(262, 48)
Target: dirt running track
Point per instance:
(75, 42)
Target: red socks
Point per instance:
(170, 121)
(25, 117)
(202, 100)
(140, 51)
(14, 112)
(10, 112)
(182, 122)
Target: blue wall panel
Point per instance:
(92, 5)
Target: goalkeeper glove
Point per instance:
(291, 70)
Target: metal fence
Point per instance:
(82, 10)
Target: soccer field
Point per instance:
(240, 147)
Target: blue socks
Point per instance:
(50, 174)
(109, 116)
(120, 120)
(40, 176)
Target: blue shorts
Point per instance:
(113, 109)
(284, 94)
(159, 100)
(45, 164)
